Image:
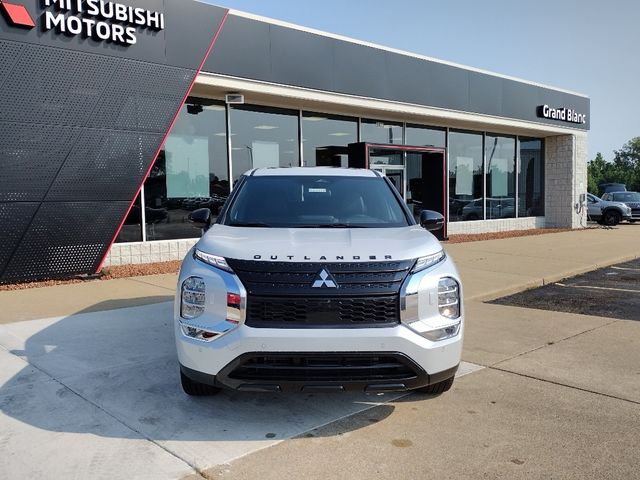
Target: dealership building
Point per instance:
(120, 118)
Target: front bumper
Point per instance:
(214, 363)
(297, 380)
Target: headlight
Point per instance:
(449, 297)
(213, 260)
(192, 298)
(428, 261)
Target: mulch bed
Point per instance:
(125, 271)
(476, 237)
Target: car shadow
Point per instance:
(87, 371)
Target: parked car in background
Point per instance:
(612, 187)
(496, 208)
(630, 199)
(606, 212)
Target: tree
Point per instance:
(626, 163)
(596, 171)
(625, 168)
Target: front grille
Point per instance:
(297, 278)
(635, 212)
(332, 312)
(332, 367)
(281, 294)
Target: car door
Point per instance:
(593, 206)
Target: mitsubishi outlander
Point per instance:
(317, 279)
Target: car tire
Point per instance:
(197, 389)
(611, 218)
(437, 388)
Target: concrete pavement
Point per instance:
(495, 268)
(93, 392)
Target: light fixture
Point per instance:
(265, 127)
(340, 134)
(314, 119)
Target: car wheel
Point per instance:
(196, 389)
(437, 388)
(612, 218)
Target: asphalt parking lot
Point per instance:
(606, 292)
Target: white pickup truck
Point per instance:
(317, 279)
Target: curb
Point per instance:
(494, 295)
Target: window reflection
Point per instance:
(531, 179)
(190, 172)
(131, 230)
(500, 154)
(325, 139)
(466, 200)
(380, 131)
(263, 137)
(420, 136)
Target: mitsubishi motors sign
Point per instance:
(97, 19)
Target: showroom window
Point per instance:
(466, 196)
(420, 136)
(500, 158)
(190, 172)
(380, 131)
(325, 139)
(131, 230)
(263, 137)
(531, 177)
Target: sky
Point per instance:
(585, 46)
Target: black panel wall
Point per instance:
(81, 123)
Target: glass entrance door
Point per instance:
(418, 173)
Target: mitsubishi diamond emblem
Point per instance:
(324, 279)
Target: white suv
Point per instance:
(317, 279)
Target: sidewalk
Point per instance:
(496, 268)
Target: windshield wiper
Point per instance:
(249, 224)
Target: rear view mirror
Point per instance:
(431, 220)
(201, 218)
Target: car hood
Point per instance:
(610, 203)
(318, 244)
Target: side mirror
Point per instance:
(431, 220)
(201, 218)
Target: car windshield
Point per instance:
(626, 197)
(316, 202)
